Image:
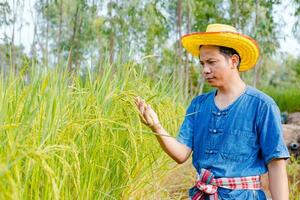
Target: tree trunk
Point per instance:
(77, 55)
(47, 39)
(111, 37)
(70, 61)
(99, 56)
(12, 44)
(236, 13)
(59, 31)
(12, 49)
(111, 47)
(179, 49)
(188, 27)
(201, 84)
(256, 77)
(34, 41)
(258, 65)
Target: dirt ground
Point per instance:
(179, 180)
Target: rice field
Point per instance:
(79, 137)
(293, 170)
(68, 136)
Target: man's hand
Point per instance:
(179, 152)
(147, 114)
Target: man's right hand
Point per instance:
(147, 114)
(179, 152)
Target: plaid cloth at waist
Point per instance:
(207, 185)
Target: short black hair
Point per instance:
(228, 52)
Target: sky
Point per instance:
(283, 15)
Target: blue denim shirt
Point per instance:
(237, 141)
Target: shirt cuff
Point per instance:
(279, 155)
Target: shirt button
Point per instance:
(214, 130)
(219, 113)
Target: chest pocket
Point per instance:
(239, 145)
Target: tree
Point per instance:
(71, 31)
(187, 59)
(5, 20)
(5, 57)
(265, 33)
(296, 26)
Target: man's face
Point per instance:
(217, 68)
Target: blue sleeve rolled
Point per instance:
(186, 132)
(270, 134)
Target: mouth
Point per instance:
(210, 78)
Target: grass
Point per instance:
(294, 175)
(286, 98)
(66, 137)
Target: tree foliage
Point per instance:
(82, 33)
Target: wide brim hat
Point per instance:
(227, 36)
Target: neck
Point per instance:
(234, 87)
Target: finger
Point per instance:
(137, 100)
(148, 114)
(148, 119)
(137, 103)
(144, 109)
(147, 107)
(143, 120)
(142, 106)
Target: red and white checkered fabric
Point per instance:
(207, 185)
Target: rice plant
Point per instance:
(294, 175)
(67, 136)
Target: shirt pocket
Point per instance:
(239, 145)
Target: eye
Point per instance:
(211, 62)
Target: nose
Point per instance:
(206, 69)
(294, 146)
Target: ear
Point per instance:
(235, 60)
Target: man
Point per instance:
(234, 132)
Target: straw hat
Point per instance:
(227, 36)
